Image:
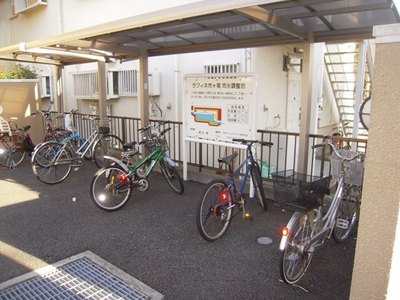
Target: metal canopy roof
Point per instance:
(273, 23)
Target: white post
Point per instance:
(102, 82)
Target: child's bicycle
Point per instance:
(220, 197)
(309, 227)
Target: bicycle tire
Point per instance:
(296, 258)
(47, 170)
(258, 185)
(365, 113)
(172, 177)
(213, 215)
(102, 147)
(348, 213)
(12, 157)
(110, 188)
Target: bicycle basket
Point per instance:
(354, 169)
(298, 191)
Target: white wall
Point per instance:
(58, 17)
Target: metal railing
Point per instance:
(281, 156)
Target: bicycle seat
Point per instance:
(129, 146)
(26, 128)
(228, 159)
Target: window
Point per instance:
(119, 83)
(46, 86)
(86, 85)
(227, 68)
(21, 6)
(123, 83)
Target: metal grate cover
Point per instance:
(82, 278)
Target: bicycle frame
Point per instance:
(88, 143)
(154, 157)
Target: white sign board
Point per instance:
(220, 107)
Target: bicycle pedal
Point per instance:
(342, 223)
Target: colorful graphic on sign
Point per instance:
(211, 116)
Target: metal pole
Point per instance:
(102, 83)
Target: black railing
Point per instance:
(281, 156)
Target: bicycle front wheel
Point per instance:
(51, 162)
(297, 255)
(258, 186)
(110, 145)
(110, 188)
(214, 211)
(172, 176)
(348, 212)
(11, 157)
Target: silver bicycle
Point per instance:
(53, 161)
(309, 227)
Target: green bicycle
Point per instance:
(112, 186)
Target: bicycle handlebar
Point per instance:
(154, 137)
(335, 150)
(249, 143)
(152, 127)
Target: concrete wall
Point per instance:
(20, 98)
(375, 260)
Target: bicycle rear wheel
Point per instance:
(110, 145)
(51, 162)
(258, 186)
(297, 255)
(348, 212)
(11, 157)
(110, 188)
(214, 211)
(172, 176)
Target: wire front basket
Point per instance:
(298, 191)
(353, 170)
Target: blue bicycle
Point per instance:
(221, 197)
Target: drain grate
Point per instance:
(78, 279)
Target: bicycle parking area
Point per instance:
(154, 238)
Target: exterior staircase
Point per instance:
(341, 61)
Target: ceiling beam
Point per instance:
(30, 59)
(233, 44)
(341, 10)
(298, 3)
(267, 17)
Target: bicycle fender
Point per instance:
(289, 226)
(169, 161)
(118, 162)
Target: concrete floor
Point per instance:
(154, 239)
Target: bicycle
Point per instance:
(309, 227)
(221, 197)
(15, 142)
(112, 186)
(50, 134)
(52, 161)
